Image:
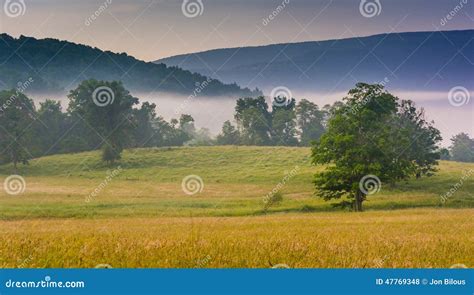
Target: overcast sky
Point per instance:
(150, 30)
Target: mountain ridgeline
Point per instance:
(58, 66)
(422, 61)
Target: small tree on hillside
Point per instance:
(365, 145)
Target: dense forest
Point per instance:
(104, 115)
(58, 66)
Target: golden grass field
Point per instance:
(142, 218)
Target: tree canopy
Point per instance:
(368, 142)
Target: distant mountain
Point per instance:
(423, 61)
(56, 65)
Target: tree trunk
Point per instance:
(15, 167)
(359, 198)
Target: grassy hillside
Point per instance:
(142, 218)
(236, 180)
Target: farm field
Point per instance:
(77, 212)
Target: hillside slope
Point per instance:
(422, 61)
(56, 65)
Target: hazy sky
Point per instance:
(152, 29)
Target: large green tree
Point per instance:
(366, 144)
(106, 107)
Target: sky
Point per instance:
(153, 29)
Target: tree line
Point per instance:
(104, 115)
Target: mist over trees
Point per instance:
(104, 115)
(101, 115)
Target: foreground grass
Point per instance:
(143, 218)
(402, 238)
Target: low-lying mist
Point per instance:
(211, 112)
